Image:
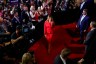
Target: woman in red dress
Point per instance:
(48, 31)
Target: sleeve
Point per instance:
(22, 16)
(87, 23)
(13, 36)
(89, 38)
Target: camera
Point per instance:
(25, 29)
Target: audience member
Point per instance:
(63, 57)
(15, 21)
(90, 44)
(25, 15)
(17, 41)
(28, 58)
(83, 5)
(16, 35)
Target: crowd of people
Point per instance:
(19, 27)
(26, 21)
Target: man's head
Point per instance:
(84, 12)
(25, 8)
(21, 5)
(65, 52)
(16, 14)
(93, 24)
(18, 29)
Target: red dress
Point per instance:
(48, 30)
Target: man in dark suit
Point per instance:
(90, 42)
(83, 24)
(63, 57)
(15, 20)
(25, 15)
(20, 9)
(84, 5)
(90, 1)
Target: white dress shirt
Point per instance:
(81, 6)
(83, 16)
(63, 60)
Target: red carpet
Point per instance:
(62, 38)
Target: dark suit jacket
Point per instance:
(84, 23)
(90, 1)
(85, 6)
(90, 43)
(15, 23)
(24, 16)
(59, 61)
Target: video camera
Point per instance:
(25, 29)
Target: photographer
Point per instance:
(17, 41)
(16, 36)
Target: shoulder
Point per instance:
(94, 31)
(57, 58)
(13, 18)
(13, 36)
(87, 17)
(69, 61)
(90, 33)
(23, 12)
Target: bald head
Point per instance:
(93, 24)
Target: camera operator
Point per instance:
(17, 35)
(28, 33)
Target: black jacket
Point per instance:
(90, 43)
(59, 61)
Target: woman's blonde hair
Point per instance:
(26, 58)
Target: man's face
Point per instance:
(26, 8)
(21, 6)
(17, 31)
(16, 14)
(84, 12)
